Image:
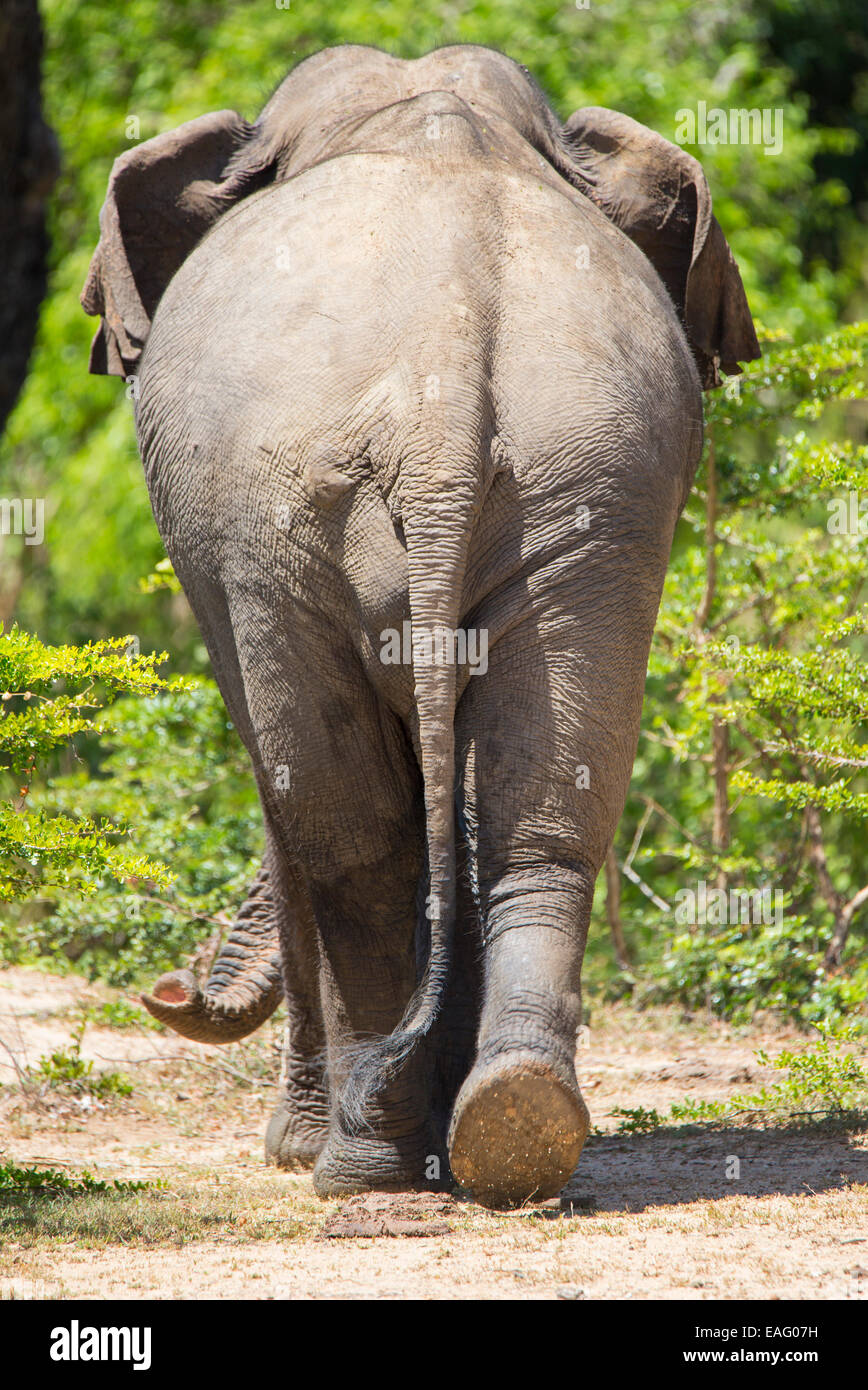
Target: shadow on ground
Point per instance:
(672, 1166)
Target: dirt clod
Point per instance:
(391, 1214)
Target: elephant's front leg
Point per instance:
(298, 1128)
(263, 960)
(299, 1125)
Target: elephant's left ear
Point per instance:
(163, 195)
(657, 194)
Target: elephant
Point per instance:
(417, 374)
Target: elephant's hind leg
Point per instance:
(343, 797)
(274, 955)
(546, 739)
(366, 921)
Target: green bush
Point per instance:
(66, 1070)
(752, 769)
(737, 970)
(49, 696)
(173, 771)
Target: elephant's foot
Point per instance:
(299, 1126)
(294, 1140)
(368, 1163)
(517, 1130)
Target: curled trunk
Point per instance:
(245, 986)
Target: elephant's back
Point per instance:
(323, 279)
(319, 317)
(352, 254)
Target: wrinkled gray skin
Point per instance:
(395, 334)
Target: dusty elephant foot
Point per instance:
(367, 1163)
(294, 1139)
(517, 1131)
(299, 1126)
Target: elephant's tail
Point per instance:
(439, 503)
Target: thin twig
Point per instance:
(26, 1085)
(223, 921)
(814, 755)
(637, 838)
(643, 888)
(661, 811)
(195, 1061)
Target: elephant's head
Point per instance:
(166, 193)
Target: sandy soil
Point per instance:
(655, 1216)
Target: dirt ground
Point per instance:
(663, 1215)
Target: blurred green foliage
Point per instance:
(170, 770)
(49, 696)
(752, 764)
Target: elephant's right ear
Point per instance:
(657, 194)
(163, 195)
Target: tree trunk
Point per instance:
(613, 910)
(28, 168)
(720, 827)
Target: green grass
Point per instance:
(39, 1181)
(66, 1070)
(240, 1212)
(120, 1013)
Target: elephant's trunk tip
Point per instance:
(178, 987)
(176, 1000)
